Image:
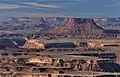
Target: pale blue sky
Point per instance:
(67, 8)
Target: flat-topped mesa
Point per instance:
(76, 26)
(81, 26)
(79, 20)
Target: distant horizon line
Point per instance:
(59, 17)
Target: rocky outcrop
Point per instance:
(75, 26)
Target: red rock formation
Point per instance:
(76, 26)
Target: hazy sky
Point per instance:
(68, 8)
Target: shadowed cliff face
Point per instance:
(74, 26)
(82, 21)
